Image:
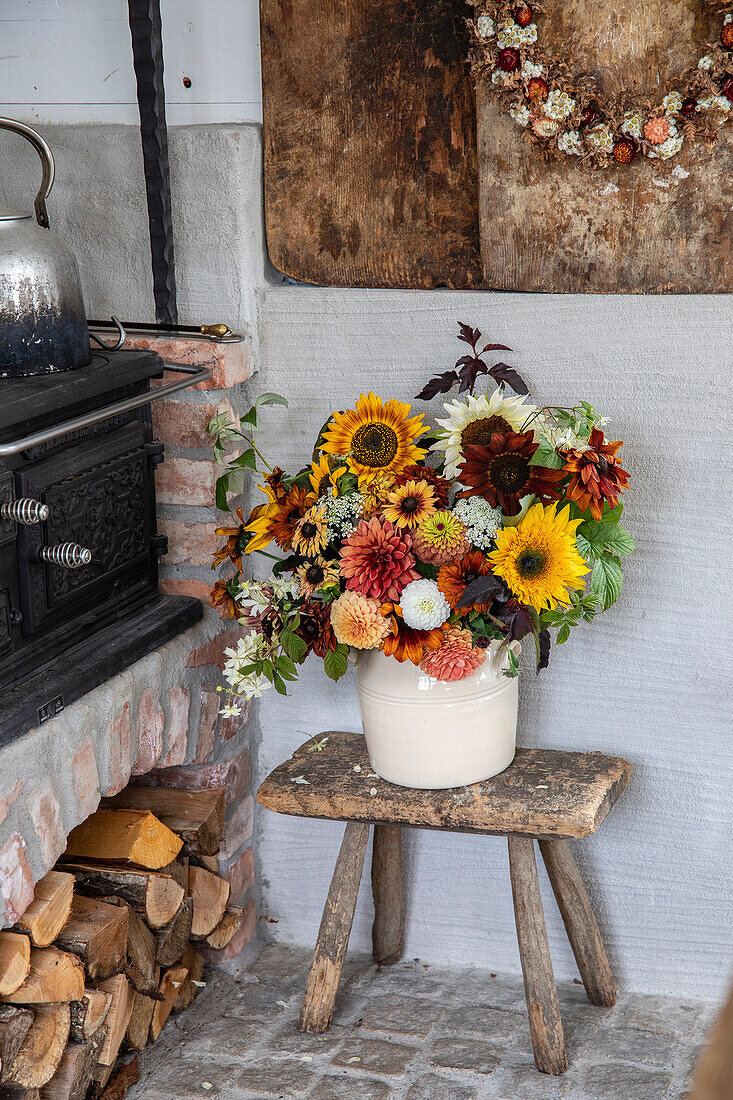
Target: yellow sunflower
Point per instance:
(311, 532)
(375, 437)
(316, 575)
(409, 504)
(261, 522)
(323, 478)
(539, 558)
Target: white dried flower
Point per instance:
(423, 605)
(728, 19)
(480, 519)
(558, 105)
(254, 594)
(633, 123)
(714, 103)
(600, 137)
(485, 26)
(529, 69)
(706, 63)
(283, 587)
(670, 147)
(672, 102)
(571, 143)
(520, 114)
(510, 34)
(500, 77)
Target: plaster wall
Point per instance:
(650, 681)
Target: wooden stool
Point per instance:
(545, 795)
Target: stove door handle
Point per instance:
(192, 376)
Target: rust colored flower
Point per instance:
(441, 487)
(232, 549)
(275, 481)
(290, 510)
(315, 628)
(405, 644)
(409, 504)
(455, 577)
(537, 89)
(501, 472)
(657, 130)
(624, 151)
(223, 600)
(597, 474)
(377, 560)
(508, 59)
(456, 658)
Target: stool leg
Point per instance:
(580, 922)
(333, 935)
(539, 981)
(389, 896)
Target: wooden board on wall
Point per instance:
(643, 228)
(370, 146)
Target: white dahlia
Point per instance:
(474, 420)
(423, 605)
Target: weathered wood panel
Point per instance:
(544, 792)
(641, 228)
(370, 143)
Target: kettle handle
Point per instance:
(49, 168)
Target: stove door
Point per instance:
(100, 495)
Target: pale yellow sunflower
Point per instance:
(375, 437)
(410, 504)
(475, 419)
(311, 532)
(539, 558)
(324, 475)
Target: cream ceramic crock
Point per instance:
(423, 732)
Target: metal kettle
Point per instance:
(43, 325)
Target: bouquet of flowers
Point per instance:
(426, 543)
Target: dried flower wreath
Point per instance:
(565, 117)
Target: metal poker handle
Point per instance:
(49, 169)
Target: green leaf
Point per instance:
(596, 536)
(293, 645)
(270, 399)
(584, 547)
(606, 581)
(279, 685)
(250, 417)
(563, 634)
(222, 487)
(247, 459)
(336, 661)
(237, 480)
(545, 455)
(284, 665)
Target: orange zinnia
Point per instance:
(403, 642)
(597, 474)
(455, 577)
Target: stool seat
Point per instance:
(543, 792)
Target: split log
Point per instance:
(38, 1058)
(121, 1083)
(170, 984)
(135, 836)
(97, 933)
(178, 871)
(196, 816)
(154, 896)
(138, 1029)
(193, 982)
(15, 1092)
(88, 1014)
(209, 863)
(72, 1079)
(226, 929)
(14, 1026)
(210, 897)
(48, 912)
(171, 941)
(15, 961)
(118, 1016)
(54, 976)
(140, 968)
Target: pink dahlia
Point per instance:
(376, 559)
(456, 657)
(657, 130)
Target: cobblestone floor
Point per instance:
(415, 1032)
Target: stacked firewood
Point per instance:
(110, 945)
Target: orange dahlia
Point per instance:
(597, 474)
(455, 577)
(440, 538)
(441, 486)
(456, 658)
(403, 642)
(410, 504)
(287, 514)
(358, 621)
(501, 473)
(377, 560)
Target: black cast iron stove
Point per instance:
(79, 547)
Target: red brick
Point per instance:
(8, 797)
(86, 779)
(186, 586)
(189, 543)
(213, 652)
(233, 775)
(150, 727)
(241, 939)
(230, 364)
(230, 727)
(119, 752)
(45, 813)
(188, 481)
(16, 879)
(238, 828)
(180, 704)
(241, 875)
(210, 698)
(183, 424)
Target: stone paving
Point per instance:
(414, 1032)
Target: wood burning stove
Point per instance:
(79, 547)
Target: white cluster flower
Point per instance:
(633, 123)
(571, 143)
(423, 605)
(500, 77)
(714, 103)
(558, 105)
(253, 594)
(728, 19)
(343, 514)
(511, 34)
(601, 137)
(529, 69)
(283, 587)
(248, 649)
(520, 114)
(706, 63)
(560, 436)
(485, 26)
(481, 520)
(669, 148)
(672, 103)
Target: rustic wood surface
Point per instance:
(333, 935)
(74, 1074)
(193, 983)
(544, 792)
(155, 896)
(15, 1024)
(543, 1007)
(370, 146)
(171, 941)
(97, 933)
(580, 922)
(170, 984)
(47, 913)
(227, 928)
(714, 1077)
(54, 976)
(88, 1014)
(118, 1016)
(388, 892)
(138, 1029)
(43, 1047)
(210, 895)
(140, 968)
(15, 960)
(626, 229)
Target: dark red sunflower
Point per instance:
(315, 627)
(501, 472)
(405, 643)
(276, 483)
(441, 487)
(597, 474)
